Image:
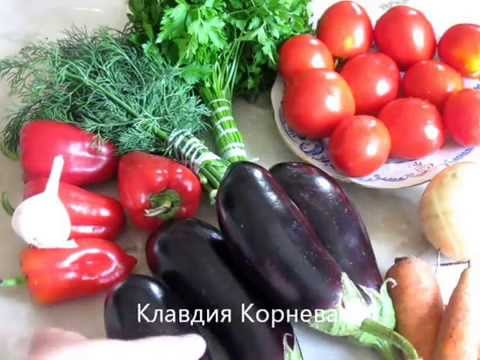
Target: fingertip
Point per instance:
(197, 344)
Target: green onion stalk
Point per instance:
(101, 83)
(218, 93)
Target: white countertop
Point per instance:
(391, 216)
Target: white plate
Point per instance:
(395, 174)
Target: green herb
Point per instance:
(224, 46)
(6, 204)
(107, 87)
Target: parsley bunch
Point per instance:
(225, 47)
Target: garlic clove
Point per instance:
(43, 220)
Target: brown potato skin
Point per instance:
(459, 336)
(418, 304)
(446, 214)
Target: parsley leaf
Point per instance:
(224, 46)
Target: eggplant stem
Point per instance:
(391, 337)
(13, 282)
(7, 205)
(291, 352)
(387, 352)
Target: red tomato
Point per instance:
(355, 34)
(406, 35)
(316, 102)
(374, 79)
(433, 81)
(462, 117)
(415, 128)
(302, 53)
(360, 145)
(459, 47)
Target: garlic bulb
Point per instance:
(43, 220)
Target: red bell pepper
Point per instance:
(87, 160)
(92, 215)
(154, 190)
(57, 275)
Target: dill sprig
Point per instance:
(102, 84)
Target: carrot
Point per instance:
(418, 303)
(459, 335)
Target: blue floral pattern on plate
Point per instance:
(393, 175)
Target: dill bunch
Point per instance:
(104, 85)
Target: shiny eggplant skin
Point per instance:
(332, 215)
(274, 245)
(187, 255)
(121, 309)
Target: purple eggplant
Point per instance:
(187, 256)
(334, 218)
(273, 244)
(121, 309)
(145, 295)
(269, 236)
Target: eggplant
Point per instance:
(187, 256)
(279, 253)
(121, 309)
(273, 243)
(334, 218)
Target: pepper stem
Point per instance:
(390, 337)
(13, 282)
(165, 205)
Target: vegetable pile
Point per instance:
(102, 84)
(364, 105)
(136, 106)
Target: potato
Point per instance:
(450, 211)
